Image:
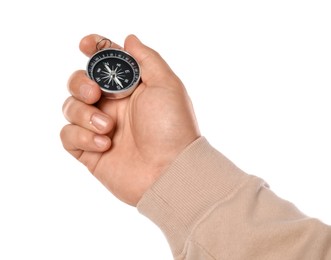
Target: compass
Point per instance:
(116, 72)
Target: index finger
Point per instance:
(89, 44)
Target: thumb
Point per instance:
(153, 66)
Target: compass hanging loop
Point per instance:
(102, 44)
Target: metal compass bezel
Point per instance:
(125, 58)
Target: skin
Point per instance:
(128, 143)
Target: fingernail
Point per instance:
(101, 141)
(85, 91)
(99, 121)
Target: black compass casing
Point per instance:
(116, 72)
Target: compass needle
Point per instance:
(107, 68)
(118, 82)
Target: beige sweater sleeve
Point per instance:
(210, 209)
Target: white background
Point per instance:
(258, 73)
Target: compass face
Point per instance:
(116, 72)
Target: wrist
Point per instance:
(198, 178)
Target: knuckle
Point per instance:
(73, 79)
(67, 107)
(64, 133)
(83, 139)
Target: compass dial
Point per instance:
(116, 72)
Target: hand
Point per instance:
(127, 143)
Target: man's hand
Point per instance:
(128, 143)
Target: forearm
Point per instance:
(209, 208)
